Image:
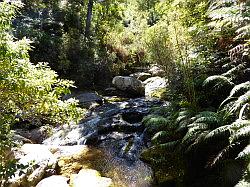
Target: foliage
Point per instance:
(57, 29)
(212, 131)
(27, 91)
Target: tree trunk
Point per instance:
(88, 19)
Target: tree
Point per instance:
(88, 18)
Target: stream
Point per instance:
(115, 129)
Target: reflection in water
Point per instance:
(124, 172)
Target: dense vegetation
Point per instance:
(203, 46)
(28, 92)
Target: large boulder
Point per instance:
(142, 76)
(90, 178)
(54, 181)
(128, 84)
(155, 86)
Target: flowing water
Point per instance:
(116, 130)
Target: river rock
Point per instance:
(129, 84)
(18, 139)
(156, 70)
(36, 135)
(86, 99)
(142, 76)
(90, 178)
(154, 86)
(38, 160)
(54, 181)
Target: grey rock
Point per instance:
(54, 181)
(36, 135)
(128, 84)
(90, 178)
(153, 85)
(38, 160)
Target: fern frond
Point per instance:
(191, 135)
(217, 81)
(225, 153)
(233, 73)
(227, 103)
(240, 102)
(242, 110)
(231, 151)
(240, 89)
(198, 126)
(243, 32)
(220, 133)
(168, 147)
(160, 137)
(198, 141)
(212, 122)
(206, 114)
(242, 133)
(238, 124)
(245, 154)
(184, 115)
(182, 128)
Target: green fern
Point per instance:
(240, 89)
(245, 154)
(238, 124)
(229, 14)
(218, 81)
(184, 115)
(243, 32)
(240, 102)
(192, 134)
(242, 133)
(234, 73)
(224, 153)
(197, 143)
(220, 133)
(160, 137)
(235, 93)
(168, 147)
